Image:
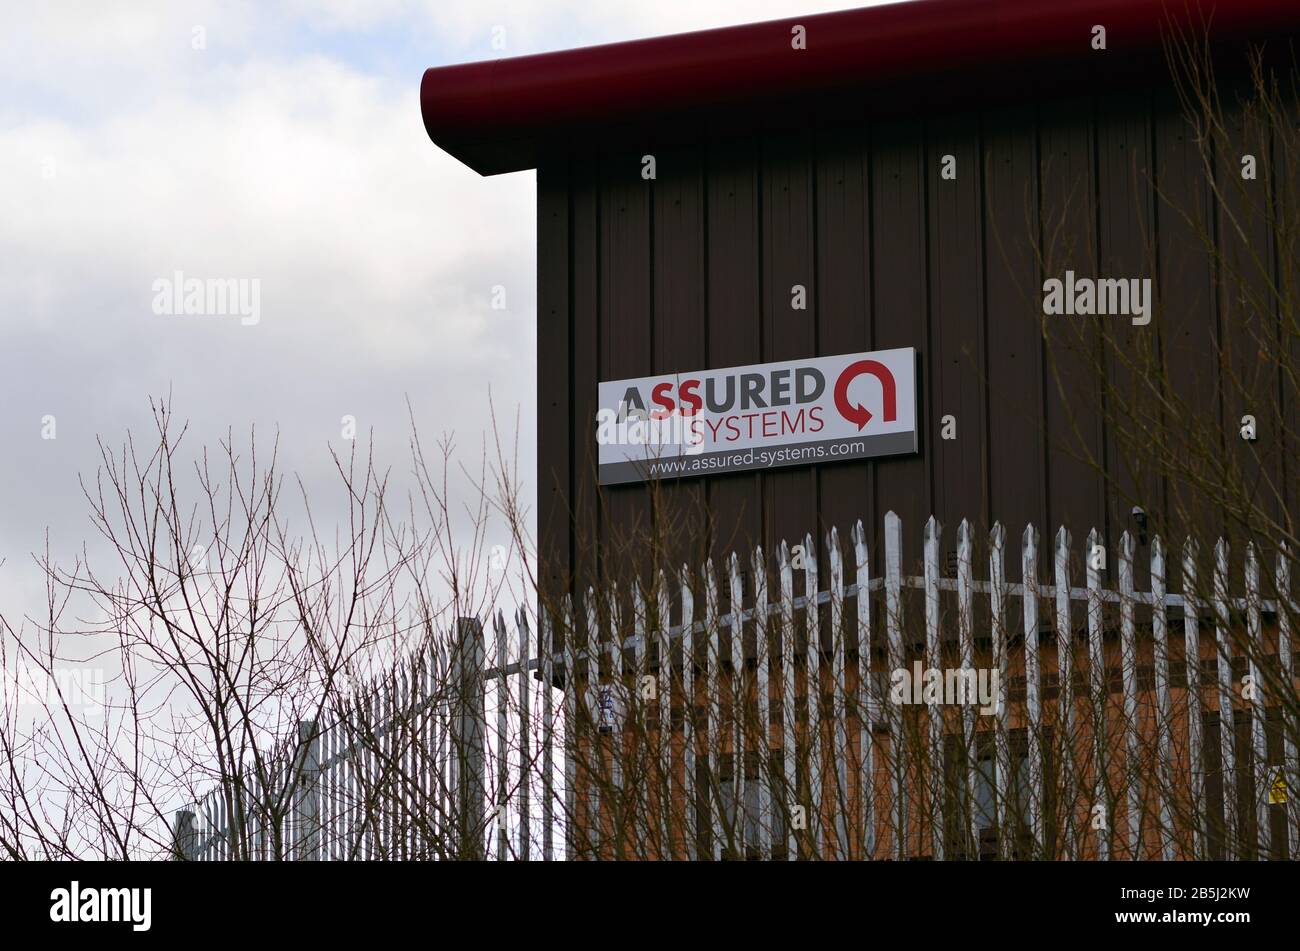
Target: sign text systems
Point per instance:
(766, 416)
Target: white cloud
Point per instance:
(376, 255)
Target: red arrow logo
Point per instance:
(858, 413)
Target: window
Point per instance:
(983, 812)
(754, 821)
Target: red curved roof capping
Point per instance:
(490, 114)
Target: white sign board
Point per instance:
(766, 416)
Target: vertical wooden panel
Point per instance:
(626, 342)
(1125, 230)
(555, 407)
(1013, 316)
(735, 337)
(790, 494)
(956, 360)
(1187, 328)
(900, 315)
(1286, 195)
(585, 244)
(1247, 320)
(679, 333)
(843, 287)
(1068, 229)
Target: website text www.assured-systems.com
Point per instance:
(765, 458)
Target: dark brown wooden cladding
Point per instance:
(694, 270)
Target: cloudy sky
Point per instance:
(275, 141)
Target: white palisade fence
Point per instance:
(679, 722)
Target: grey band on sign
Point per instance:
(758, 458)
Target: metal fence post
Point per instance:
(306, 799)
(184, 837)
(469, 728)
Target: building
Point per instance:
(895, 180)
